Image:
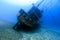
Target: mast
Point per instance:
(34, 11)
(39, 3)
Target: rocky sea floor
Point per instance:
(7, 33)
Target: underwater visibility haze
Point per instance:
(50, 20)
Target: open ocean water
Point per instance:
(50, 25)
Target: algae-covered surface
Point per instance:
(7, 33)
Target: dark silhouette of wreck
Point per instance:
(28, 21)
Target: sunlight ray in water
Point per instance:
(20, 2)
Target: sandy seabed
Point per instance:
(7, 33)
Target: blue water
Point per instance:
(50, 8)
